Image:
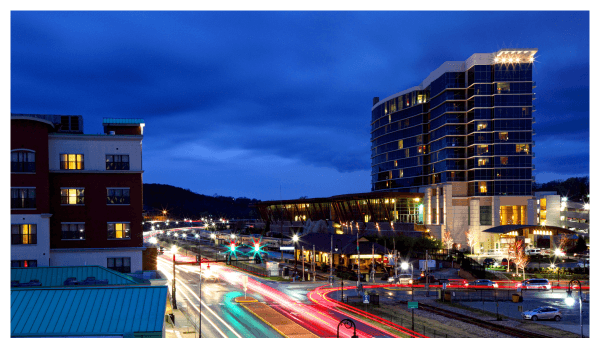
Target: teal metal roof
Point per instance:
(87, 311)
(122, 121)
(56, 275)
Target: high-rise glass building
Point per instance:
(464, 138)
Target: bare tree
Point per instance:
(562, 241)
(471, 238)
(447, 239)
(510, 254)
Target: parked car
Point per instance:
(585, 263)
(432, 280)
(533, 252)
(544, 312)
(482, 282)
(536, 283)
(488, 261)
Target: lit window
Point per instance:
(481, 125)
(71, 161)
(118, 230)
(483, 161)
(400, 144)
(483, 187)
(503, 136)
(502, 87)
(22, 162)
(420, 99)
(401, 173)
(482, 149)
(504, 160)
(71, 196)
(73, 231)
(522, 148)
(406, 153)
(395, 163)
(23, 234)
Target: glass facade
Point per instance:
(470, 126)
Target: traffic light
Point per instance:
(257, 259)
(256, 247)
(198, 258)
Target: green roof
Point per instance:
(56, 275)
(121, 121)
(89, 311)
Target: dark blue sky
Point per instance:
(243, 103)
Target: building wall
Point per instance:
(32, 135)
(72, 257)
(94, 149)
(96, 213)
(40, 251)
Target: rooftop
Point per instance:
(55, 276)
(113, 120)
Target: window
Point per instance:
(117, 162)
(502, 88)
(503, 136)
(73, 231)
(71, 161)
(522, 148)
(30, 263)
(482, 125)
(420, 98)
(406, 123)
(118, 230)
(117, 196)
(485, 215)
(71, 196)
(421, 149)
(23, 234)
(400, 144)
(406, 153)
(22, 198)
(22, 161)
(482, 149)
(401, 173)
(483, 187)
(483, 162)
(395, 163)
(120, 264)
(504, 160)
(419, 139)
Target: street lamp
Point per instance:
(295, 239)
(570, 301)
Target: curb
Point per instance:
(264, 321)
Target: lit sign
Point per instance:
(284, 248)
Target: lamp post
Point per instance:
(331, 263)
(302, 263)
(174, 301)
(348, 323)
(570, 301)
(295, 241)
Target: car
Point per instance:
(422, 280)
(585, 263)
(544, 312)
(209, 276)
(533, 252)
(482, 282)
(404, 279)
(536, 283)
(488, 261)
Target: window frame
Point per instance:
(26, 262)
(64, 165)
(122, 260)
(31, 235)
(126, 229)
(117, 165)
(18, 163)
(25, 200)
(68, 197)
(79, 225)
(108, 196)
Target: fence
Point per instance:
(481, 295)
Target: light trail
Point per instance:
(180, 282)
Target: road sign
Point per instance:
(245, 282)
(413, 305)
(366, 299)
(286, 248)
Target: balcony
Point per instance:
(533, 108)
(533, 84)
(532, 131)
(532, 154)
(533, 96)
(533, 143)
(533, 166)
(533, 120)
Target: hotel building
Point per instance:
(463, 138)
(76, 199)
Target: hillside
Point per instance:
(575, 188)
(183, 203)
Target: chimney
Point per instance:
(375, 100)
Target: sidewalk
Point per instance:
(182, 328)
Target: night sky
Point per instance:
(278, 104)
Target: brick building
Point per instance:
(76, 199)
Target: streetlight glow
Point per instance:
(404, 266)
(295, 238)
(569, 300)
(174, 249)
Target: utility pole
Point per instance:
(357, 259)
(200, 294)
(302, 253)
(373, 263)
(174, 288)
(331, 262)
(314, 265)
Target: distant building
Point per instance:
(76, 199)
(463, 137)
